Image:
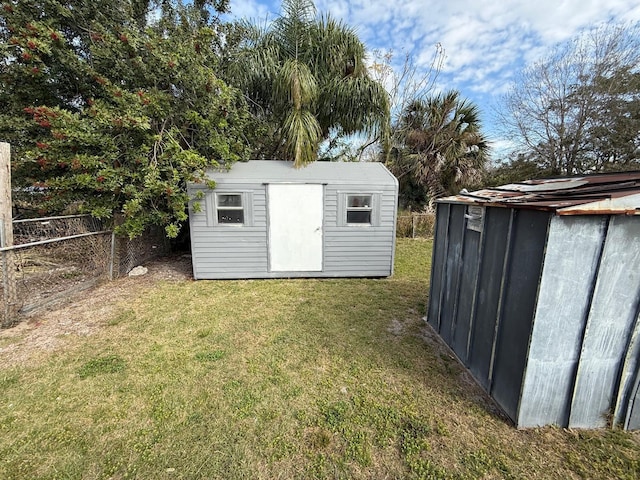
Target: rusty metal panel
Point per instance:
(519, 299)
(611, 319)
(617, 193)
(496, 228)
(574, 250)
(629, 205)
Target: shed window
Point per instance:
(359, 208)
(229, 208)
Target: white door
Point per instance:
(295, 228)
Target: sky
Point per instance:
(486, 43)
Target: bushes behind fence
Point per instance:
(416, 225)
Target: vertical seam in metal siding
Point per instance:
(619, 402)
(443, 273)
(503, 281)
(472, 319)
(433, 258)
(533, 316)
(456, 295)
(634, 394)
(585, 328)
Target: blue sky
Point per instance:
(486, 42)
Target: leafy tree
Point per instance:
(613, 135)
(111, 113)
(440, 148)
(516, 169)
(306, 79)
(577, 110)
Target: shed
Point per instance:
(267, 219)
(536, 288)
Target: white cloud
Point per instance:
(486, 42)
(252, 9)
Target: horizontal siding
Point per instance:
(367, 254)
(243, 274)
(260, 208)
(212, 263)
(330, 207)
(365, 250)
(210, 256)
(228, 234)
(231, 252)
(358, 236)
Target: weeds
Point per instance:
(101, 365)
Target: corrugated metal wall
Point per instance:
(566, 287)
(487, 277)
(544, 311)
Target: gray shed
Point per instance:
(536, 288)
(267, 219)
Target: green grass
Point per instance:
(289, 379)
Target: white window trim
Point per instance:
(359, 209)
(246, 199)
(342, 208)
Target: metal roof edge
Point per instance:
(627, 205)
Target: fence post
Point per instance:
(413, 225)
(10, 300)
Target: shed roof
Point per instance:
(273, 171)
(608, 193)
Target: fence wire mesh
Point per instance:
(38, 229)
(131, 253)
(416, 225)
(41, 275)
(54, 258)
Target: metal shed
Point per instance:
(267, 219)
(536, 288)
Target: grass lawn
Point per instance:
(277, 379)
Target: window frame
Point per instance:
(245, 206)
(349, 208)
(343, 208)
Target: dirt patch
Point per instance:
(85, 312)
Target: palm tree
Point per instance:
(438, 146)
(305, 77)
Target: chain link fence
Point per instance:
(128, 254)
(55, 258)
(416, 225)
(36, 276)
(38, 229)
